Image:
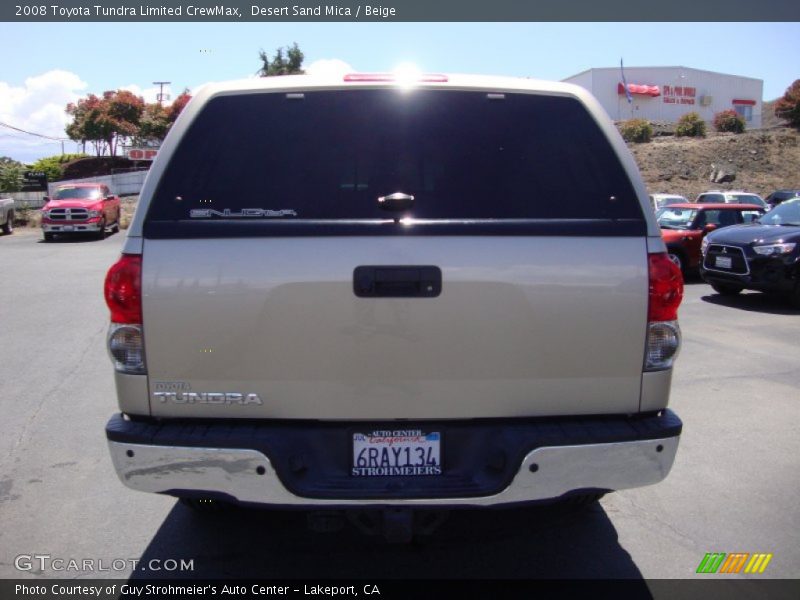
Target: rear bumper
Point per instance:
(489, 463)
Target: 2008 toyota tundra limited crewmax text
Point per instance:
(375, 295)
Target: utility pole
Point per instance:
(161, 95)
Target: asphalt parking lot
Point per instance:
(734, 486)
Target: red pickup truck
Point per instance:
(80, 208)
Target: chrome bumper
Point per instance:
(248, 476)
(70, 228)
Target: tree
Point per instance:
(291, 64)
(11, 174)
(103, 121)
(179, 104)
(788, 107)
(154, 124)
(53, 166)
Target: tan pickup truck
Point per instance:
(390, 295)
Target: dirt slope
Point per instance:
(762, 160)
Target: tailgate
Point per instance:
(524, 326)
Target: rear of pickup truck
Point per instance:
(364, 294)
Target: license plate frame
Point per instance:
(396, 453)
(723, 262)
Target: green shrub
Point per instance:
(11, 176)
(53, 165)
(729, 120)
(636, 130)
(691, 125)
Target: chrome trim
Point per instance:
(68, 214)
(559, 469)
(738, 249)
(76, 228)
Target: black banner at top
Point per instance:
(397, 10)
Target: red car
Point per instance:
(80, 208)
(683, 227)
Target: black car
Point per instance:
(764, 255)
(779, 196)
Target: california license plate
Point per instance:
(726, 262)
(396, 453)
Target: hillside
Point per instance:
(762, 160)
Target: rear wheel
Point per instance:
(9, 225)
(726, 289)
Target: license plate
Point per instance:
(67, 228)
(726, 262)
(396, 453)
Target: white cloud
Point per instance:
(38, 106)
(150, 94)
(329, 67)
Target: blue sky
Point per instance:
(55, 63)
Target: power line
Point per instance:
(47, 137)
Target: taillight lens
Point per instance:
(126, 347)
(123, 292)
(666, 288)
(666, 293)
(123, 289)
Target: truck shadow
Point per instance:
(517, 543)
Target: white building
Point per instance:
(667, 93)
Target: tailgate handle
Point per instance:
(397, 282)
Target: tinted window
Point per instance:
(330, 155)
(710, 198)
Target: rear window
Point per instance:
(328, 156)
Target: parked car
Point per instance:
(731, 197)
(80, 208)
(683, 227)
(660, 200)
(393, 324)
(7, 215)
(764, 255)
(779, 196)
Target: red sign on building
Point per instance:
(679, 94)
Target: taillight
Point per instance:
(666, 293)
(123, 291)
(666, 288)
